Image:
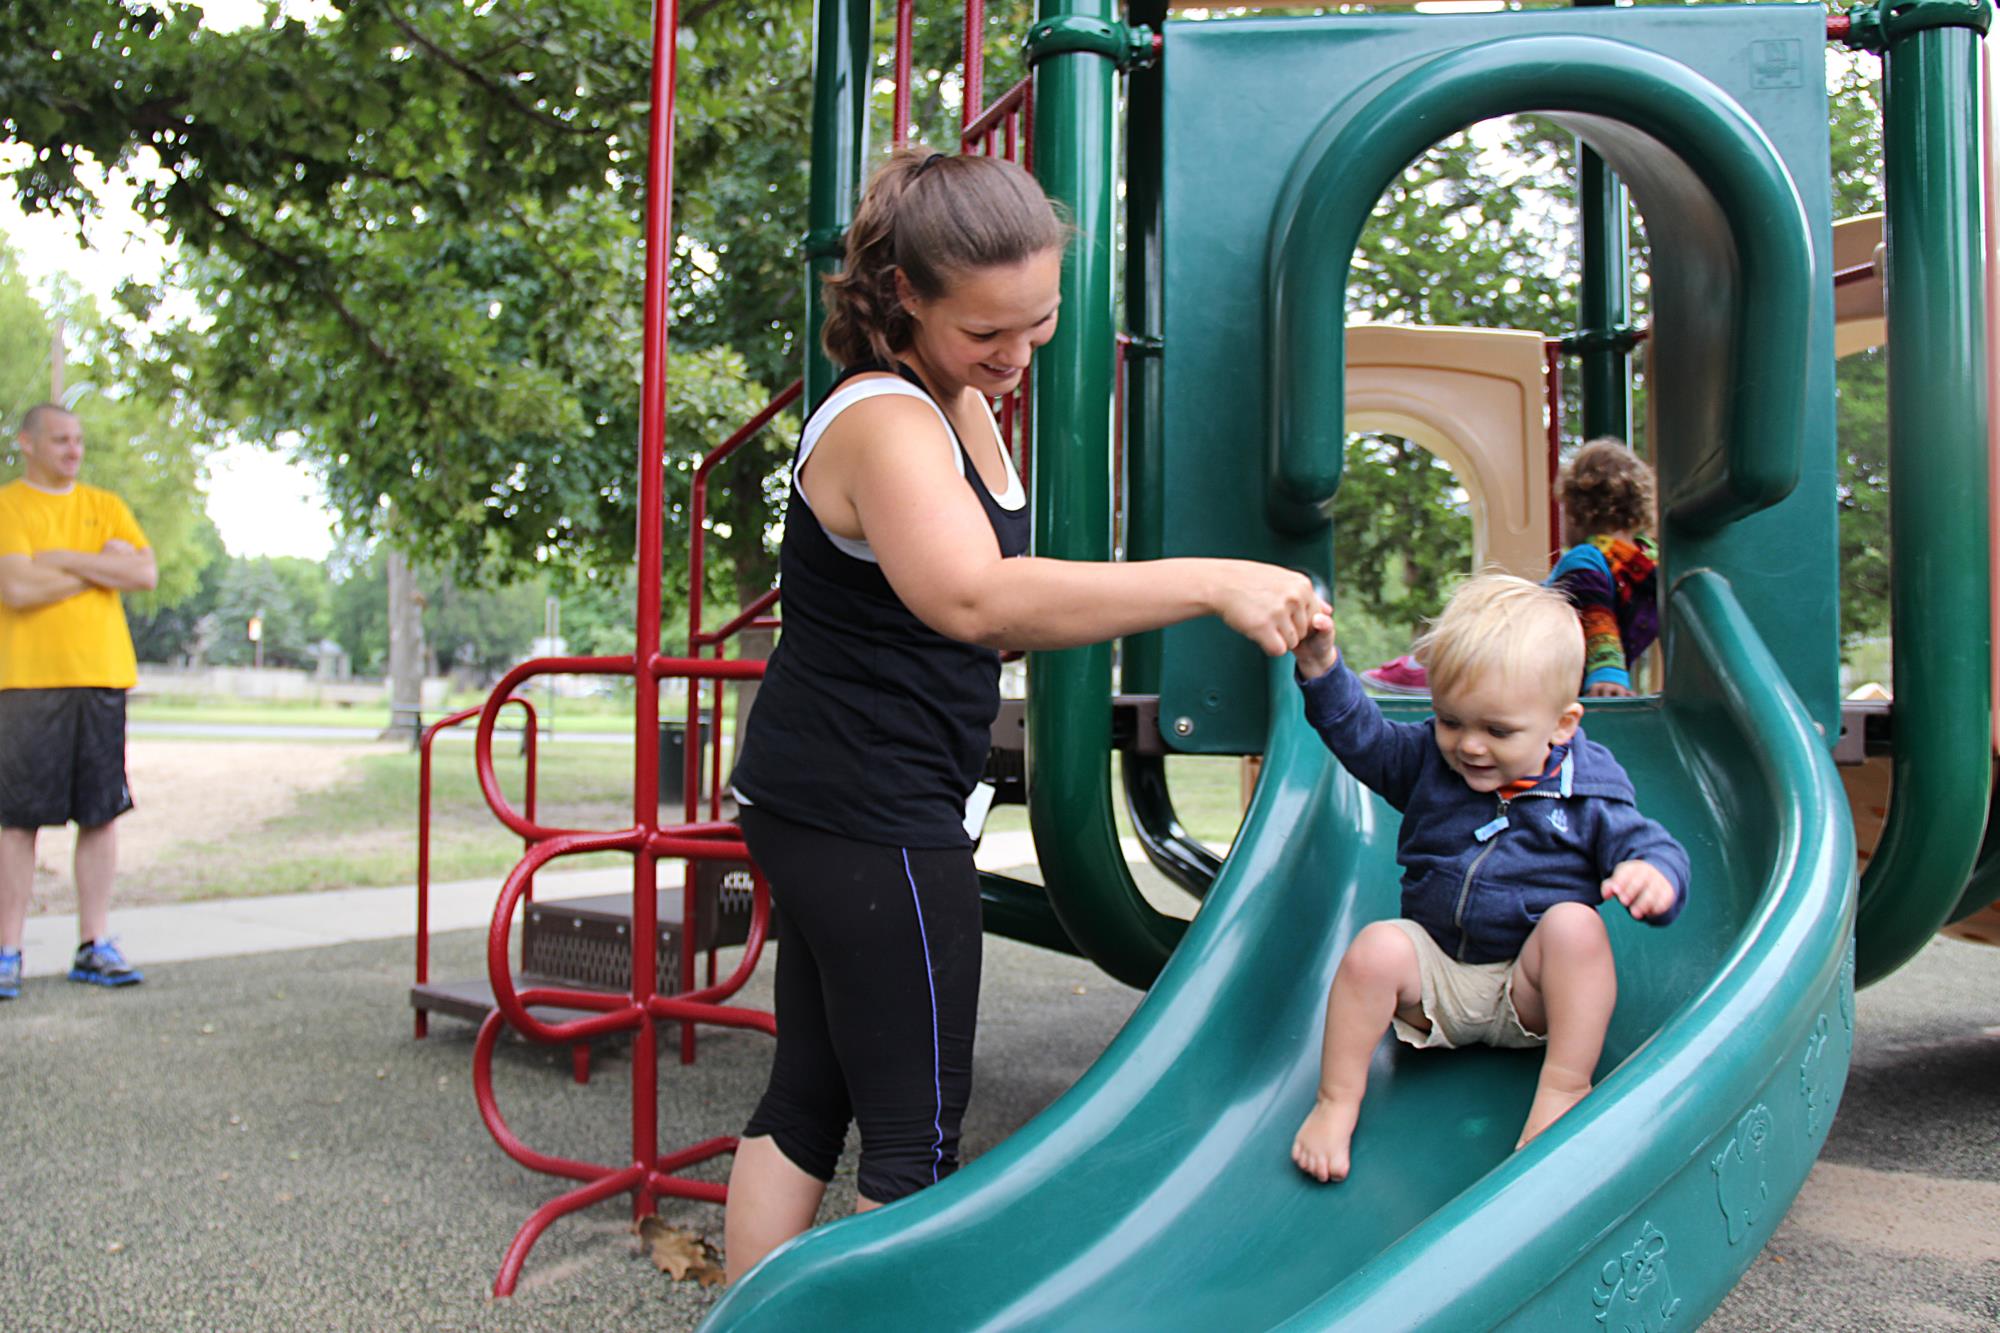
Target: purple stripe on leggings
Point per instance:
(937, 1060)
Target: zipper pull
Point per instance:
(1493, 826)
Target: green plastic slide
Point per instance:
(1158, 1192)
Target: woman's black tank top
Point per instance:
(870, 723)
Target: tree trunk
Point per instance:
(406, 652)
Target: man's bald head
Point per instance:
(51, 444)
(43, 413)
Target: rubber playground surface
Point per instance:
(258, 1143)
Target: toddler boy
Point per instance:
(1515, 827)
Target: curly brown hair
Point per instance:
(1605, 487)
(933, 216)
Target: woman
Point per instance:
(904, 571)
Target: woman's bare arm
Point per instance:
(886, 465)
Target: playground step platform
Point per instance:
(472, 1000)
(586, 943)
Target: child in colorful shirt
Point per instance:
(1610, 571)
(1515, 829)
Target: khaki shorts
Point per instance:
(1468, 1004)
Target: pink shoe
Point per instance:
(1405, 675)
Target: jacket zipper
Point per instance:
(1465, 888)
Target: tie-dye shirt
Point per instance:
(1614, 586)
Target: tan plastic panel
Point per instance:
(1858, 320)
(1475, 398)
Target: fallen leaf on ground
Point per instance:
(679, 1253)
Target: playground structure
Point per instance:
(1727, 1056)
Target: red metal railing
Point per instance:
(1005, 129)
(750, 617)
(900, 116)
(424, 829)
(646, 1173)
(1006, 126)
(650, 1174)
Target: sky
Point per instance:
(261, 502)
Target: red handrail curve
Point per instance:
(423, 961)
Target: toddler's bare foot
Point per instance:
(1320, 1150)
(1551, 1100)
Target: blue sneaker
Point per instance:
(99, 963)
(10, 974)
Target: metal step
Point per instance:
(586, 943)
(473, 1000)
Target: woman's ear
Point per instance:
(906, 294)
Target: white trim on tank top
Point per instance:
(1013, 498)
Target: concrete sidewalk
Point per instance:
(234, 927)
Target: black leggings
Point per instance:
(877, 993)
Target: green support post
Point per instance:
(1604, 306)
(1938, 463)
(1074, 49)
(1172, 850)
(1145, 443)
(842, 61)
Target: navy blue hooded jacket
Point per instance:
(1479, 871)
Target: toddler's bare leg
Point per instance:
(1377, 980)
(1565, 986)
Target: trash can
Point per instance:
(673, 760)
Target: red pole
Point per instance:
(652, 455)
(424, 873)
(975, 61)
(900, 126)
(533, 743)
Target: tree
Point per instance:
(414, 231)
(287, 594)
(183, 628)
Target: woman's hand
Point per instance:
(1274, 608)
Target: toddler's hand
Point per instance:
(1642, 888)
(1316, 653)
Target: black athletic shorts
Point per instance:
(62, 757)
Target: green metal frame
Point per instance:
(1173, 851)
(1937, 460)
(1761, 455)
(1604, 302)
(1069, 692)
(843, 65)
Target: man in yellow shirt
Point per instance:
(66, 551)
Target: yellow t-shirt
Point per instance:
(82, 640)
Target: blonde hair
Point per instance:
(1497, 623)
(1605, 487)
(933, 216)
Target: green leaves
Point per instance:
(414, 231)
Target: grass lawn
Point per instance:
(1207, 793)
(597, 716)
(362, 832)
